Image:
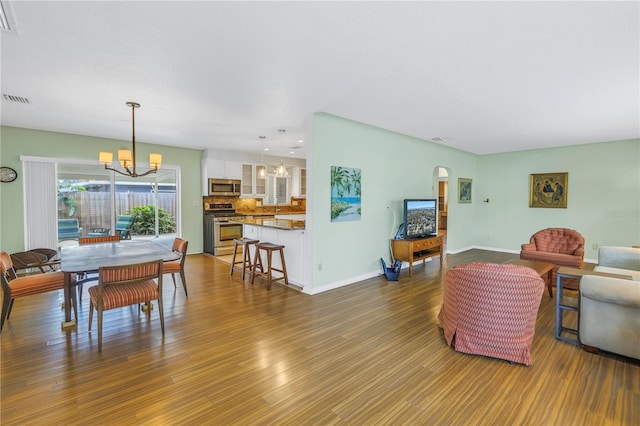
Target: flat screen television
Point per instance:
(420, 218)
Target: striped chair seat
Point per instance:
(125, 294)
(14, 286)
(35, 284)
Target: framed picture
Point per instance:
(548, 190)
(464, 190)
(346, 186)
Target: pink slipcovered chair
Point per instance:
(490, 309)
(560, 246)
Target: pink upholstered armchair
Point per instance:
(490, 309)
(560, 246)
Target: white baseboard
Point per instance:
(356, 279)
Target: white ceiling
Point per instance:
(488, 76)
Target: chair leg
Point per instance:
(173, 277)
(99, 327)
(284, 268)
(233, 258)
(184, 282)
(161, 312)
(91, 308)
(6, 303)
(10, 307)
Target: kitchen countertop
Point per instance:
(285, 224)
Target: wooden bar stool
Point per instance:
(245, 243)
(257, 263)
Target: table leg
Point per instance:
(558, 300)
(68, 322)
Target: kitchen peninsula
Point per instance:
(287, 232)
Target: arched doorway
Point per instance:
(441, 192)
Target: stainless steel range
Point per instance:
(219, 231)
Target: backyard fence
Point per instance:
(93, 209)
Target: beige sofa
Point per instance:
(610, 307)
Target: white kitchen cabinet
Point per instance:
(224, 169)
(293, 242)
(298, 181)
(253, 185)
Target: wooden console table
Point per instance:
(418, 249)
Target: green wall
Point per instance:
(603, 192)
(16, 142)
(393, 167)
(603, 196)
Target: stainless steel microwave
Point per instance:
(224, 187)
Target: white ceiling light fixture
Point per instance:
(281, 171)
(126, 158)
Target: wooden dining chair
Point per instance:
(125, 285)
(177, 266)
(92, 240)
(99, 239)
(14, 286)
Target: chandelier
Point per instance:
(126, 158)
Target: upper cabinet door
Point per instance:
(224, 169)
(254, 182)
(298, 181)
(247, 180)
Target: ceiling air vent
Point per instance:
(18, 99)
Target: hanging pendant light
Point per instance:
(281, 171)
(263, 169)
(126, 158)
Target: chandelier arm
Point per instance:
(146, 173)
(118, 171)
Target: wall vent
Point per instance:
(18, 99)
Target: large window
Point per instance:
(90, 200)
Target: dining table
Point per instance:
(88, 258)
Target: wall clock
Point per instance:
(7, 174)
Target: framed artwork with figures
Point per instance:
(464, 190)
(548, 190)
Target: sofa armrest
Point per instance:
(615, 291)
(579, 251)
(528, 247)
(619, 257)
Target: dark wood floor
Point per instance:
(368, 353)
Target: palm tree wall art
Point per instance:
(345, 194)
